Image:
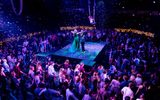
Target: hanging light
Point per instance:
(19, 12)
(91, 17)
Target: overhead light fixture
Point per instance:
(17, 12)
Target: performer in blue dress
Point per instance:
(76, 42)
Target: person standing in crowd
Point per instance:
(69, 94)
(127, 92)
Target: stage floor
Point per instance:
(92, 50)
(87, 57)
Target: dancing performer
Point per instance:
(76, 42)
(82, 40)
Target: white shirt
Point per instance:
(86, 97)
(104, 76)
(51, 70)
(6, 66)
(70, 94)
(68, 71)
(127, 92)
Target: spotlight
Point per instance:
(154, 2)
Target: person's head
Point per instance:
(139, 75)
(95, 74)
(142, 96)
(41, 85)
(116, 77)
(87, 91)
(31, 67)
(100, 67)
(125, 77)
(104, 72)
(37, 73)
(127, 98)
(66, 61)
(77, 66)
(4, 60)
(132, 78)
(71, 87)
(13, 74)
(52, 63)
(82, 64)
(61, 69)
(131, 85)
(38, 63)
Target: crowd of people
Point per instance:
(131, 71)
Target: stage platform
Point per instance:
(88, 57)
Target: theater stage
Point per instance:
(88, 57)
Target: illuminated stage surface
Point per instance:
(87, 57)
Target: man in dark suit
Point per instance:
(82, 40)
